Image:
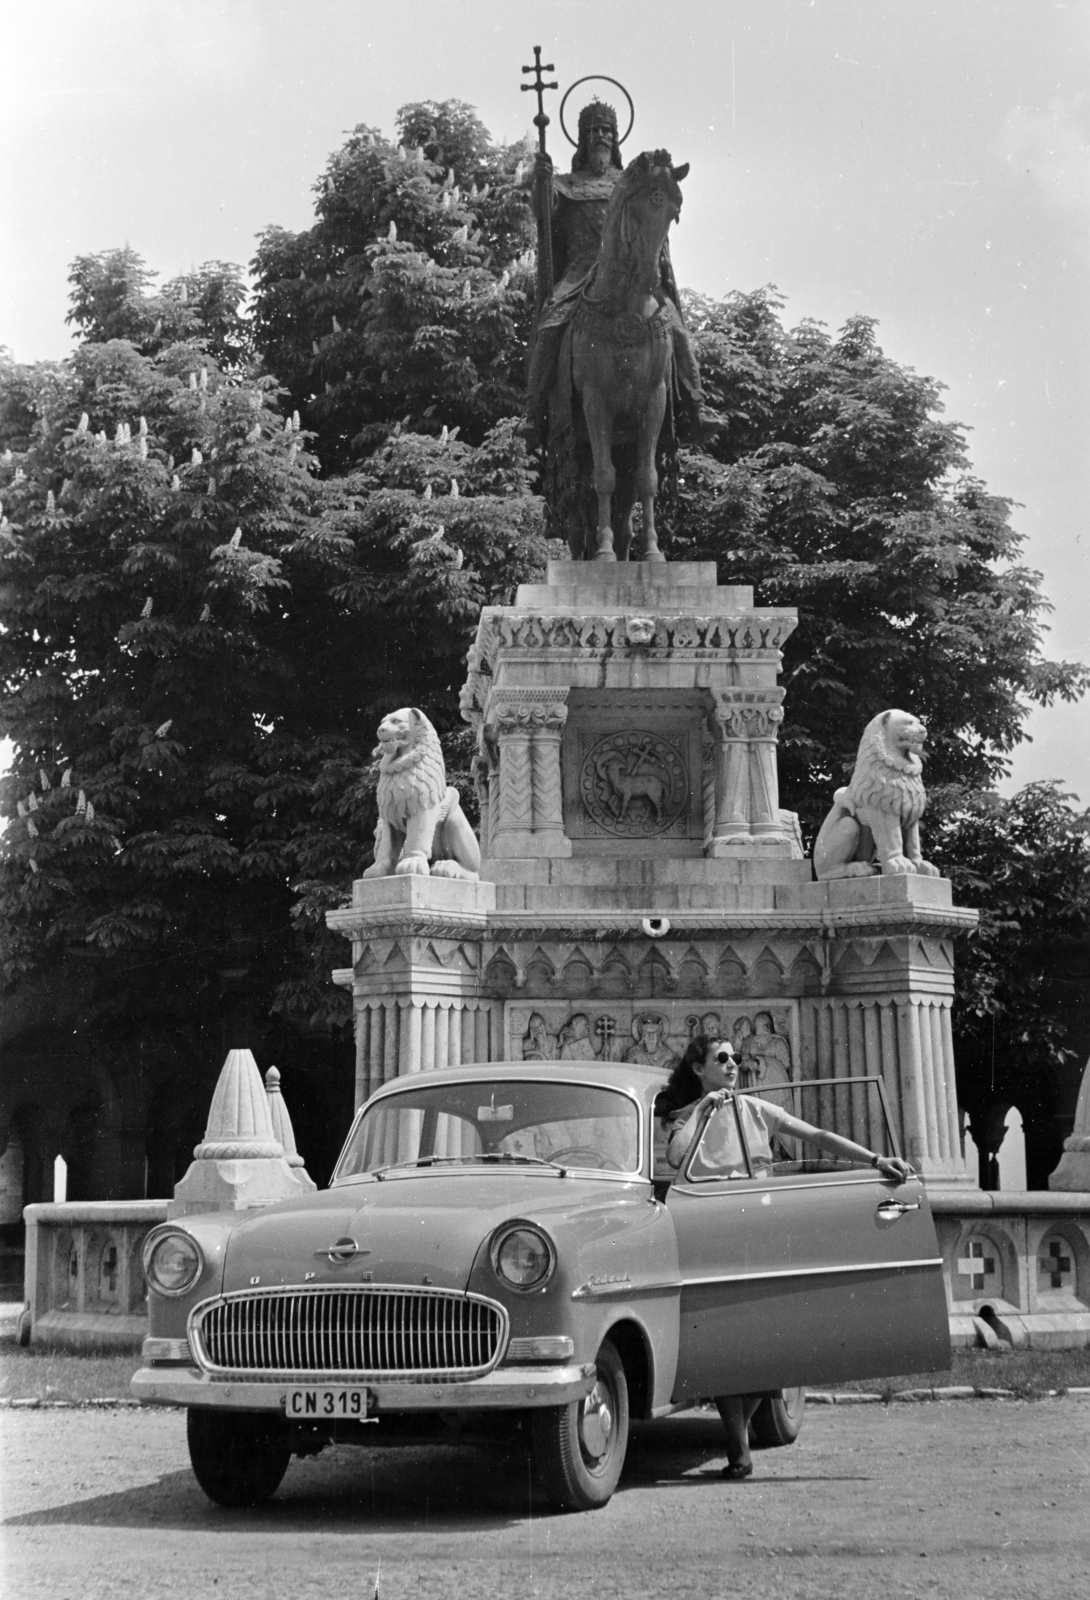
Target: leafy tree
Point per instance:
(199, 636)
(1021, 980)
(112, 299)
(833, 484)
(409, 299)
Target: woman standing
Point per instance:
(703, 1079)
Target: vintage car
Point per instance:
(503, 1251)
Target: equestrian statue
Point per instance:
(613, 379)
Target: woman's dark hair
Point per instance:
(683, 1086)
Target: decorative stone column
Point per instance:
(526, 726)
(549, 714)
(416, 976)
(745, 724)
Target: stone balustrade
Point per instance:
(84, 1279)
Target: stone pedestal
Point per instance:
(640, 879)
(1073, 1172)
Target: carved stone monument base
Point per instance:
(640, 880)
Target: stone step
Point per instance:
(675, 586)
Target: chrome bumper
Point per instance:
(508, 1388)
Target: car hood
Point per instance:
(410, 1228)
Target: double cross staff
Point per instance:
(544, 181)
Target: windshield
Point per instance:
(494, 1121)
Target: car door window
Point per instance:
(742, 1137)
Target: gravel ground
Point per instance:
(969, 1499)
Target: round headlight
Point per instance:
(522, 1257)
(172, 1263)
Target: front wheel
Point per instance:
(580, 1448)
(778, 1419)
(238, 1457)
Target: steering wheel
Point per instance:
(585, 1155)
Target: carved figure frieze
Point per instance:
(650, 1041)
(634, 784)
(766, 1037)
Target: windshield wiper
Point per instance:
(506, 1155)
(421, 1161)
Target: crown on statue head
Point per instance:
(597, 111)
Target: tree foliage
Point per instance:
(113, 297)
(1021, 980)
(837, 487)
(409, 299)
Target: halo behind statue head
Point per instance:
(598, 77)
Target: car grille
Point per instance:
(363, 1331)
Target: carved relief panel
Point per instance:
(633, 772)
(655, 1033)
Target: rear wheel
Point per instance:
(580, 1448)
(238, 1457)
(777, 1419)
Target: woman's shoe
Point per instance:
(738, 1470)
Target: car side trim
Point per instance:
(814, 1272)
(773, 1183)
(623, 1290)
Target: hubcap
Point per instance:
(596, 1422)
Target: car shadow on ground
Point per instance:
(436, 1488)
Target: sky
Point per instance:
(924, 163)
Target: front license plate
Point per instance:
(333, 1401)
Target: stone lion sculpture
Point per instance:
(874, 823)
(421, 826)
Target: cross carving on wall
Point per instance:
(976, 1266)
(1056, 1266)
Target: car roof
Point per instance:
(637, 1079)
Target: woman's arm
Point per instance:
(888, 1166)
(685, 1132)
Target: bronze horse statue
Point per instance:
(623, 352)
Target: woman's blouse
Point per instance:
(720, 1148)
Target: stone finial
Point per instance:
(241, 1162)
(1073, 1172)
(281, 1123)
(240, 1124)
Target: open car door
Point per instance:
(805, 1269)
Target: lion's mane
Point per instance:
(888, 776)
(412, 780)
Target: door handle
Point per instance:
(890, 1210)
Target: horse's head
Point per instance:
(654, 183)
(644, 202)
